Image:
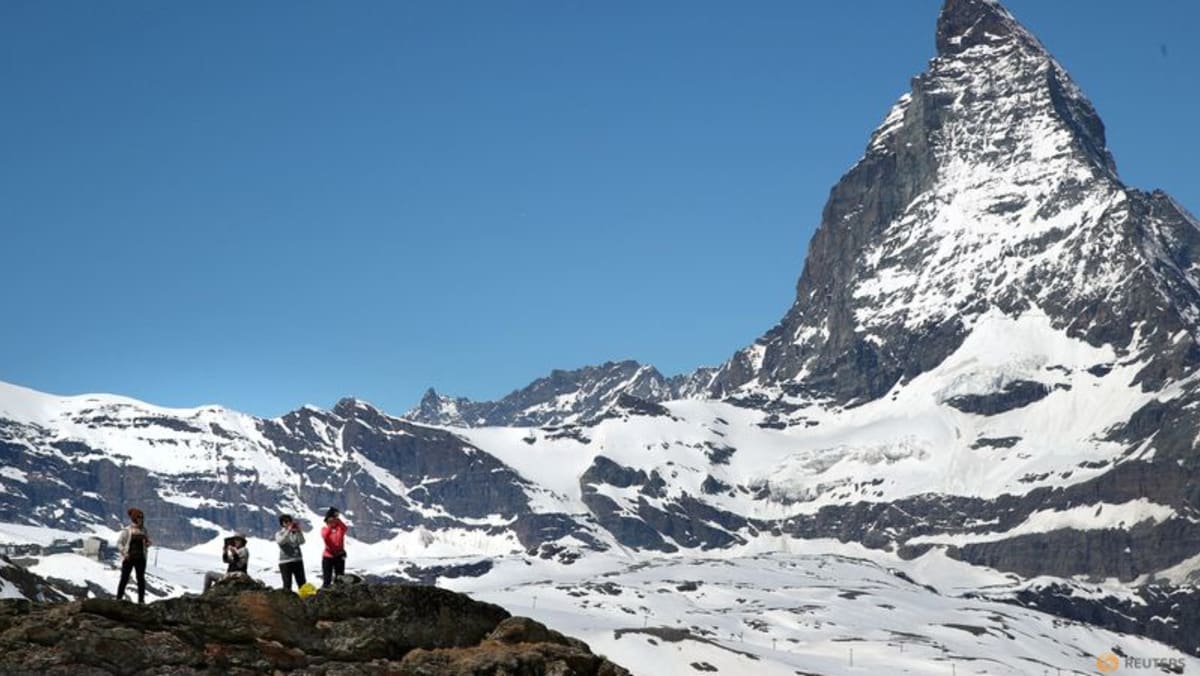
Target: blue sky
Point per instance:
(270, 204)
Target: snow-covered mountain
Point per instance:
(77, 462)
(991, 358)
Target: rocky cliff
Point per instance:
(241, 627)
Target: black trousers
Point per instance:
(128, 565)
(292, 570)
(332, 567)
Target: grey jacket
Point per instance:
(289, 542)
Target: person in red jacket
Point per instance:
(333, 561)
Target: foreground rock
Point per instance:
(242, 627)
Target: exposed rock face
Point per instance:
(1014, 395)
(657, 519)
(630, 529)
(1139, 548)
(1163, 612)
(241, 627)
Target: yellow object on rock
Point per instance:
(307, 590)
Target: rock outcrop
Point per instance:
(242, 627)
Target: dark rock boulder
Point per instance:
(517, 646)
(524, 630)
(522, 659)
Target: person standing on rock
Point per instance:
(236, 554)
(133, 543)
(333, 561)
(291, 559)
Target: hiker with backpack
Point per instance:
(236, 555)
(333, 561)
(133, 543)
(291, 559)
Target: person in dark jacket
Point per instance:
(291, 559)
(333, 560)
(133, 543)
(236, 554)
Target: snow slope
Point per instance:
(784, 607)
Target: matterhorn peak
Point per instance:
(988, 187)
(966, 23)
(987, 48)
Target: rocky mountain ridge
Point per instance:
(563, 397)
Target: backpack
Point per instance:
(137, 545)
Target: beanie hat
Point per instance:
(331, 512)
